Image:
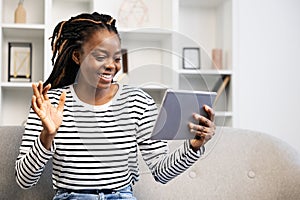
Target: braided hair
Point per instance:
(69, 36)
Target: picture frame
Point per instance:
(191, 58)
(19, 62)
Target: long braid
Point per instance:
(69, 36)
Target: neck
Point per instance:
(95, 96)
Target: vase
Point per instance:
(217, 58)
(20, 13)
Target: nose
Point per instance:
(109, 66)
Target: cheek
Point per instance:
(87, 68)
(118, 67)
(91, 63)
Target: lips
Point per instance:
(105, 77)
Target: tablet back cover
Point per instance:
(177, 111)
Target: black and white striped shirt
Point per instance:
(96, 146)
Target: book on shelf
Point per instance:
(220, 86)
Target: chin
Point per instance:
(103, 86)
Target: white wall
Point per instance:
(268, 67)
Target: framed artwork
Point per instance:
(191, 58)
(124, 60)
(19, 61)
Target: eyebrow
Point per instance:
(97, 50)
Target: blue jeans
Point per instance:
(125, 193)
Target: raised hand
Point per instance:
(50, 116)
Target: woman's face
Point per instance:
(100, 60)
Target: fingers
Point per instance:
(40, 92)
(40, 87)
(61, 102)
(37, 99)
(210, 112)
(202, 134)
(35, 90)
(45, 92)
(36, 93)
(36, 108)
(201, 130)
(33, 103)
(206, 127)
(205, 124)
(204, 130)
(203, 120)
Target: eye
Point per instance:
(100, 58)
(118, 60)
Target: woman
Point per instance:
(91, 126)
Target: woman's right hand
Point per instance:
(50, 116)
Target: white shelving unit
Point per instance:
(207, 25)
(15, 96)
(154, 46)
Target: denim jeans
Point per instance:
(125, 193)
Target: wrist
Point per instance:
(46, 139)
(195, 144)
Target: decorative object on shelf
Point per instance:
(217, 58)
(220, 86)
(20, 13)
(124, 60)
(19, 61)
(133, 13)
(191, 58)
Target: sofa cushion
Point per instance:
(10, 141)
(238, 164)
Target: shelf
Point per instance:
(201, 3)
(148, 34)
(223, 114)
(24, 30)
(154, 87)
(16, 85)
(23, 26)
(204, 72)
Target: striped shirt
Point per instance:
(96, 147)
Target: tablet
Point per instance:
(176, 111)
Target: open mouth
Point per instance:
(105, 77)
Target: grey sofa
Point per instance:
(238, 164)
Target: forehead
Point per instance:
(104, 39)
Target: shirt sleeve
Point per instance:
(32, 156)
(163, 165)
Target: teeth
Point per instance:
(106, 75)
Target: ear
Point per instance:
(76, 57)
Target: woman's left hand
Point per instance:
(203, 131)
